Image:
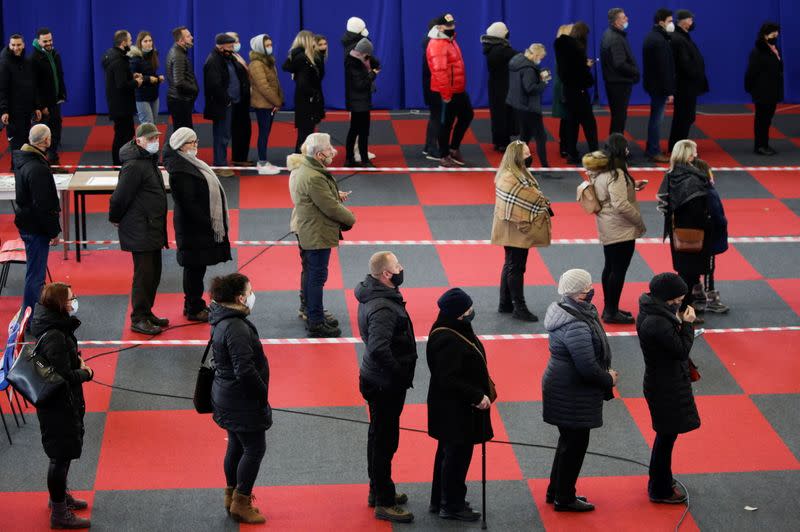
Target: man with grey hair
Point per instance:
(620, 71)
(37, 212)
(318, 219)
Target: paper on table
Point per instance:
(60, 179)
(102, 181)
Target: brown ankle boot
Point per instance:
(243, 511)
(228, 498)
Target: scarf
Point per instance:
(217, 202)
(51, 58)
(514, 207)
(363, 58)
(587, 313)
(681, 185)
(774, 50)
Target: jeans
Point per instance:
(617, 260)
(383, 438)
(37, 249)
(657, 105)
(761, 123)
(221, 131)
(572, 445)
(316, 263)
(147, 111)
(57, 473)
(243, 459)
(123, 133)
(450, 466)
(193, 289)
(359, 127)
(531, 126)
(660, 484)
(146, 277)
(619, 95)
(181, 112)
(512, 278)
(264, 118)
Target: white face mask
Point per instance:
(74, 310)
(146, 49)
(670, 27)
(152, 147)
(236, 48)
(251, 301)
(268, 50)
(192, 152)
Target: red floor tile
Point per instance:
(743, 356)
(410, 131)
(789, 290)
(454, 188)
(760, 217)
(105, 366)
(420, 304)
(480, 265)
(713, 153)
(94, 203)
(571, 221)
(629, 301)
(29, 509)
(621, 502)
(278, 268)
(516, 367)
(730, 266)
(168, 306)
(388, 155)
(282, 135)
(734, 437)
(732, 127)
(781, 184)
(132, 458)
(649, 192)
(86, 120)
(264, 191)
(389, 223)
(100, 139)
(116, 265)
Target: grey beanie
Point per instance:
(181, 136)
(575, 281)
(364, 46)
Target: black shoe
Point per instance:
(323, 330)
(550, 499)
(576, 506)
(764, 151)
(467, 514)
(771, 150)
(618, 317)
(366, 164)
(434, 508)
(161, 322)
(145, 327)
(574, 159)
(523, 314)
(505, 309)
(198, 316)
(351, 163)
(626, 312)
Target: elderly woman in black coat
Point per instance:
(764, 81)
(239, 394)
(459, 398)
(575, 383)
(201, 218)
(61, 415)
(666, 336)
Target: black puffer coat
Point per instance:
(688, 191)
(576, 379)
(139, 203)
(616, 58)
(192, 220)
(309, 105)
(120, 86)
(383, 323)
(359, 84)
(459, 380)
(240, 393)
(666, 343)
(764, 77)
(61, 416)
(38, 210)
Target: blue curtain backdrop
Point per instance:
(83, 30)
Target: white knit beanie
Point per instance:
(181, 136)
(357, 25)
(574, 281)
(497, 29)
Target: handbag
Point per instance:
(202, 386)
(492, 395)
(687, 240)
(694, 373)
(33, 376)
(587, 197)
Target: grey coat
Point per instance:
(525, 85)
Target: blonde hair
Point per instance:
(513, 162)
(304, 39)
(378, 263)
(682, 152)
(564, 29)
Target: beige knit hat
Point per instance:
(575, 281)
(497, 29)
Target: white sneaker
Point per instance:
(267, 168)
(357, 156)
(370, 155)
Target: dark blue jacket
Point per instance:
(658, 63)
(719, 223)
(525, 85)
(140, 62)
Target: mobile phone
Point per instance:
(698, 332)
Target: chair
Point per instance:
(16, 334)
(11, 252)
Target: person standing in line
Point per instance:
(498, 52)
(138, 208)
(309, 106)
(223, 91)
(658, 66)
(359, 82)
(52, 91)
(144, 60)
(620, 71)
(527, 81)
(666, 336)
(266, 95)
(357, 30)
(386, 372)
(450, 101)
(521, 221)
(460, 395)
(61, 415)
(182, 85)
(764, 82)
(690, 77)
(240, 391)
(431, 149)
(241, 126)
(19, 99)
(577, 380)
(559, 109)
(121, 85)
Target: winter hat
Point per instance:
(682, 14)
(497, 29)
(224, 38)
(445, 20)
(357, 25)
(364, 46)
(574, 281)
(666, 286)
(257, 43)
(146, 129)
(454, 303)
(181, 136)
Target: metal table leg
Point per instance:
(77, 207)
(65, 220)
(83, 218)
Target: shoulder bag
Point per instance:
(202, 386)
(492, 395)
(33, 376)
(587, 197)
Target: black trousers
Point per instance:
(619, 95)
(54, 122)
(383, 437)
(359, 127)
(243, 459)
(450, 466)
(708, 278)
(572, 445)
(455, 117)
(57, 473)
(531, 126)
(181, 112)
(563, 124)
(241, 131)
(123, 133)
(432, 134)
(579, 107)
(146, 277)
(761, 123)
(304, 129)
(18, 129)
(617, 260)
(503, 121)
(512, 277)
(659, 486)
(193, 287)
(690, 279)
(684, 112)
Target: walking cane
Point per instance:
(483, 475)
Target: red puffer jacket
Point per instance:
(448, 75)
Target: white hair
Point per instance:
(38, 133)
(316, 143)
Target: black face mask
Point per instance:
(397, 278)
(450, 33)
(508, 35)
(674, 307)
(528, 161)
(469, 317)
(126, 49)
(773, 41)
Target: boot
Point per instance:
(395, 514)
(714, 304)
(243, 511)
(228, 498)
(72, 503)
(699, 298)
(62, 518)
(522, 313)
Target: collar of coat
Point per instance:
(33, 149)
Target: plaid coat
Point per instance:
(521, 213)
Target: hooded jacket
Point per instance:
(525, 85)
(18, 86)
(498, 53)
(359, 84)
(50, 86)
(619, 219)
(38, 208)
(350, 40)
(448, 74)
(120, 86)
(575, 74)
(140, 62)
(265, 88)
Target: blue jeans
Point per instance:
(316, 263)
(264, 118)
(221, 131)
(37, 249)
(147, 111)
(657, 105)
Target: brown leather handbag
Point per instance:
(687, 240)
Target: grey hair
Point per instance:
(613, 13)
(316, 143)
(38, 133)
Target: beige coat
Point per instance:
(265, 89)
(318, 215)
(521, 231)
(619, 219)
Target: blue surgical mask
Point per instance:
(152, 147)
(625, 26)
(74, 307)
(236, 47)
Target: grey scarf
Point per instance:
(217, 202)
